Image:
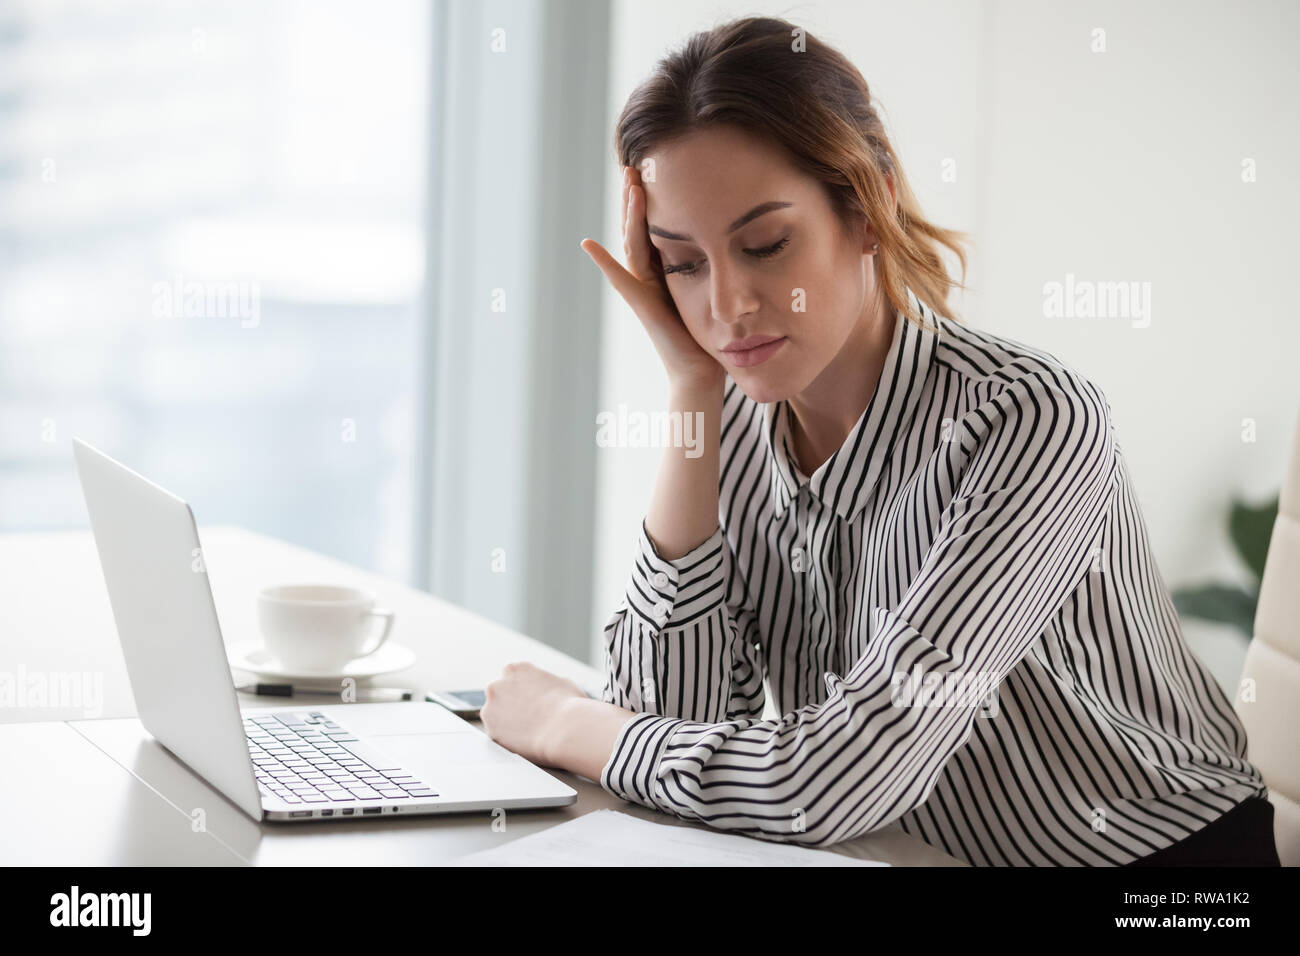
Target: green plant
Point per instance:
(1250, 527)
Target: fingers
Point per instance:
(624, 283)
(627, 179)
(637, 238)
(636, 242)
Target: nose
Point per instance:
(731, 293)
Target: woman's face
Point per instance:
(752, 250)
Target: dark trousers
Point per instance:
(1241, 837)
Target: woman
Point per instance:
(919, 539)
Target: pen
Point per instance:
(366, 695)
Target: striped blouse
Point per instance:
(958, 616)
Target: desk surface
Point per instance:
(89, 786)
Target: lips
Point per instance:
(750, 342)
(753, 350)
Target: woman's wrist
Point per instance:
(683, 510)
(696, 391)
(583, 735)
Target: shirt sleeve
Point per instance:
(1018, 535)
(675, 647)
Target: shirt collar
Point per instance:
(847, 480)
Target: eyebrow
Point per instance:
(750, 216)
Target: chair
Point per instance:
(1272, 720)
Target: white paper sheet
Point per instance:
(611, 838)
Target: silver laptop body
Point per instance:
(297, 763)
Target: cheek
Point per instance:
(694, 310)
(703, 335)
(830, 296)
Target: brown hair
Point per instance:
(773, 79)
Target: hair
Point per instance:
(772, 79)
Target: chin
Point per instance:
(762, 386)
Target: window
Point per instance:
(212, 249)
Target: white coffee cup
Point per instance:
(320, 627)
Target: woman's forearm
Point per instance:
(583, 736)
(683, 510)
(683, 513)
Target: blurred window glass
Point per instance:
(211, 261)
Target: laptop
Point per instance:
(291, 764)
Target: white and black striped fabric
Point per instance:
(977, 531)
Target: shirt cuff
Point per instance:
(664, 593)
(631, 771)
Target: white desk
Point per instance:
(91, 787)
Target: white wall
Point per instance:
(1120, 165)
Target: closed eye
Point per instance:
(690, 268)
(771, 250)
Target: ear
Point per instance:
(869, 237)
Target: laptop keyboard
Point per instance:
(308, 758)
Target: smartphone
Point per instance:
(462, 703)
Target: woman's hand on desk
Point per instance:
(548, 720)
(520, 708)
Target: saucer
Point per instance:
(256, 659)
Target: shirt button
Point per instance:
(661, 611)
(659, 580)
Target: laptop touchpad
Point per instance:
(442, 750)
